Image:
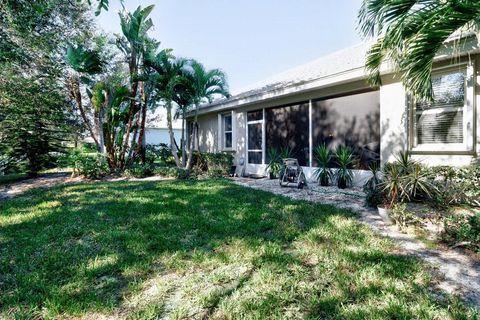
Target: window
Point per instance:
(288, 127)
(227, 131)
(445, 123)
(255, 137)
(352, 120)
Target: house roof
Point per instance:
(336, 62)
(342, 66)
(345, 60)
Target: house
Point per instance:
(156, 129)
(328, 100)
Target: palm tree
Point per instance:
(134, 28)
(409, 33)
(169, 77)
(206, 85)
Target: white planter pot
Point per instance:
(384, 213)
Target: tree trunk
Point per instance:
(133, 71)
(173, 145)
(77, 96)
(192, 147)
(183, 142)
(141, 137)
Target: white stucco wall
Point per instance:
(160, 135)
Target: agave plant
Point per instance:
(345, 161)
(275, 163)
(323, 174)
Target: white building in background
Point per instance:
(329, 101)
(157, 130)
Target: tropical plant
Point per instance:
(345, 160)
(135, 27)
(274, 165)
(169, 77)
(417, 184)
(410, 33)
(375, 178)
(323, 174)
(206, 85)
(391, 185)
(405, 163)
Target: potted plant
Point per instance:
(323, 174)
(274, 164)
(345, 160)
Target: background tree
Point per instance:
(35, 109)
(409, 33)
(33, 121)
(206, 85)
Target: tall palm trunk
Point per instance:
(184, 143)
(173, 144)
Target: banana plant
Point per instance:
(84, 63)
(135, 27)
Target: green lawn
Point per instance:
(173, 249)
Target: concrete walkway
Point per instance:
(460, 273)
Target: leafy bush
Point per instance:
(139, 170)
(91, 166)
(214, 165)
(374, 197)
(161, 152)
(456, 185)
(403, 217)
(89, 147)
(463, 228)
(172, 172)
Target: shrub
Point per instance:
(139, 170)
(374, 197)
(456, 185)
(464, 229)
(403, 217)
(172, 172)
(161, 152)
(91, 166)
(215, 165)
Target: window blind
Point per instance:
(441, 122)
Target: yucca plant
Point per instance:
(323, 174)
(345, 160)
(405, 163)
(275, 163)
(373, 182)
(417, 184)
(392, 184)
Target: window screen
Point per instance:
(288, 127)
(227, 129)
(352, 120)
(255, 137)
(441, 122)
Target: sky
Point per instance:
(249, 39)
